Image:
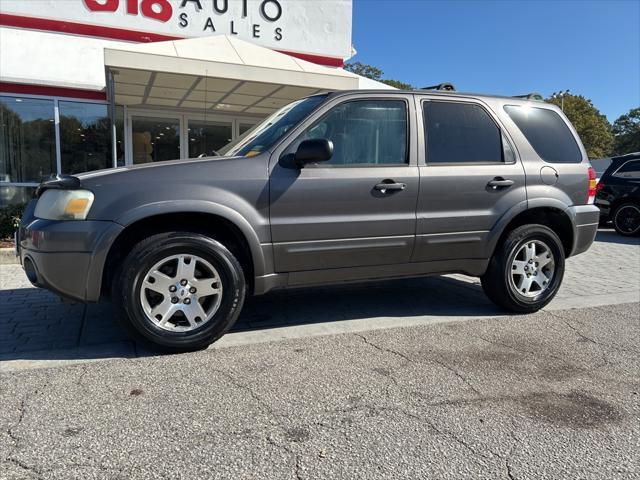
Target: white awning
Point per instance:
(221, 73)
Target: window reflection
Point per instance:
(27, 139)
(205, 138)
(85, 137)
(155, 139)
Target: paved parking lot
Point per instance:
(36, 328)
(552, 395)
(548, 395)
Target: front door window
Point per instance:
(155, 139)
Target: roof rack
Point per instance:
(446, 86)
(531, 96)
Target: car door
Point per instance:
(358, 208)
(469, 178)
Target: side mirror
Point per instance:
(314, 150)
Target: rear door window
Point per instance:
(461, 133)
(629, 170)
(547, 133)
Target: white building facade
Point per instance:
(90, 84)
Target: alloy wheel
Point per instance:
(181, 293)
(532, 268)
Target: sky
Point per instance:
(591, 48)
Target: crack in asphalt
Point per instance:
(32, 470)
(384, 349)
(613, 346)
(272, 413)
(411, 360)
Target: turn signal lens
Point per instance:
(592, 185)
(76, 206)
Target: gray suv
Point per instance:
(339, 187)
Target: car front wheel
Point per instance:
(526, 271)
(179, 291)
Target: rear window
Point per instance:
(629, 170)
(547, 133)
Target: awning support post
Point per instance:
(111, 96)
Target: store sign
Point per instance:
(321, 28)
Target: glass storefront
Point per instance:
(29, 132)
(205, 138)
(27, 139)
(85, 137)
(155, 139)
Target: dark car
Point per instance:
(618, 194)
(339, 187)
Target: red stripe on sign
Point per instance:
(81, 29)
(24, 89)
(113, 33)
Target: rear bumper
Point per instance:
(66, 257)
(585, 219)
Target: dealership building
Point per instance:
(91, 84)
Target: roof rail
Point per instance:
(446, 86)
(531, 96)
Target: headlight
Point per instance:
(64, 204)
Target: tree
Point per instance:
(364, 70)
(398, 84)
(626, 130)
(593, 128)
(374, 73)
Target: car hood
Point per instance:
(149, 169)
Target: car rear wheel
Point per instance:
(626, 219)
(526, 271)
(179, 291)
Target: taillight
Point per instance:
(592, 185)
(599, 187)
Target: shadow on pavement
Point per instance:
(609, 235)
(36, 325)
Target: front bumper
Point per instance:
(585, 219)
(66, 257)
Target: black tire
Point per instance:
(496, 281)
(128, 283)
(623, 219)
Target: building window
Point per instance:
(27, 139)
(85, 137)
(155, 139)
(206, 138)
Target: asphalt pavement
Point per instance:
(550, 395)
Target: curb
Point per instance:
(8, 256)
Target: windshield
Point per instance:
(269, 131)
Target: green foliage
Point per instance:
(593, 127)
(626, 131)
(364, 70)
(10, 219)
(376, 74)
(398, 84)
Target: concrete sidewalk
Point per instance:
(36, 329)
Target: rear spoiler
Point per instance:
(58, 182)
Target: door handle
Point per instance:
(499, 182)
(388, 186)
